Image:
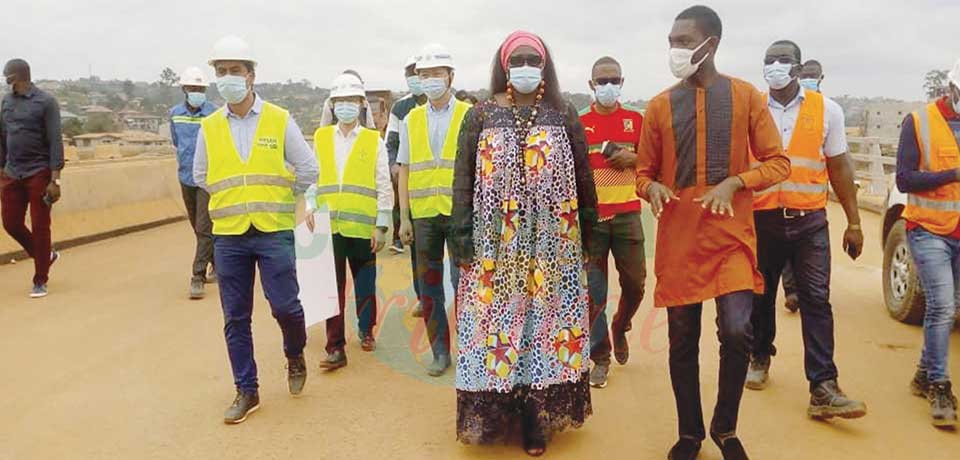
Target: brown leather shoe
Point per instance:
(368, 343)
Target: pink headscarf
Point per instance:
(518, 39)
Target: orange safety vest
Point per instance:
(937, 210)
(808, 184)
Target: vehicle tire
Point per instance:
(902, 292)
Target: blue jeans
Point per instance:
(804, 242)
(938, 263)
(430, 235)
(236, 259)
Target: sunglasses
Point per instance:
(532, 60)
(781, 59)
(608, 81)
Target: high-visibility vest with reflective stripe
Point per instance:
(353, 201)
(937, 210)
(430, 183)
(808, 184)
(257, 192)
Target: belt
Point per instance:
(795, 213)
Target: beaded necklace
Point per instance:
(523, 126)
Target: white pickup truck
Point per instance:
(902, 292)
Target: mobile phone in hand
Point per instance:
(608, 149)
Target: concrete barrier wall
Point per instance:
(106, 197)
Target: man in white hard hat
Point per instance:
(184, 125)
(355, 187)
(398, 113)
(252, 159)
(428, 148)
(928, 171)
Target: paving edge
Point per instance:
(6, 258)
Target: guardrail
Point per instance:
(874, 159)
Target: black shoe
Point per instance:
(730, 446)
(621, 349)
(367, 342)
(598, 375)
(296, 374)
(827, 400)
(439, 366)
(684, 449)
(920, 385)
(534, 447)
(196, 288)
(334, 361)
(943, 404)
(243, 405)
(792, 303)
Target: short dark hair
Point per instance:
(796, 48)
(604, 61)
(813, 62)
(17, 67)
(707, 20)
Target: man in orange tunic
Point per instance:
(693, 167)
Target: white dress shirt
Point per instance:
(342, 146)
(834, 132)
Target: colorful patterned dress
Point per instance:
(523, 310)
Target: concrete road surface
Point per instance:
(117, 364)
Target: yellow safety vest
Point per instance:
(353, 201)
(938, 210)
(808, 184)
(257, 192)
(431, 181)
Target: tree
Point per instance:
(168, 77)
(935, 84)
(129, 88)
(100, 124)
(72, 127)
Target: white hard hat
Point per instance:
(411, 61)
(434, 56)
(954, 75)
(231, 48)
(193, 76)
(346, 85)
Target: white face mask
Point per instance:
(778, 75)
(680, 61)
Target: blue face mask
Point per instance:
(346, 112)
(526, 79)
(608, 95)
(812, 84)
(777, 74)
(416, 88)
(233, 88)
(196, 100)
(434, 88)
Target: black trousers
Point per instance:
(363, 268)
(734, 332)
(196, 200)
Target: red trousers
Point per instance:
(15, 196)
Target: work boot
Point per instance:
(367, 342)
(759, 373)
(684, 449)
(439, 365)
(920, 385)
(792, 303)
(730, 446)
(827, 400)
(196, 288)
(621, 349)
(296, 374)
(943, 404)
(598, 375)
(417, 310)
(243, 405)
(334, 361)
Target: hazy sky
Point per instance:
(882, 49)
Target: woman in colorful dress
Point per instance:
(523, 199)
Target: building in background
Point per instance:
(884, 119)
